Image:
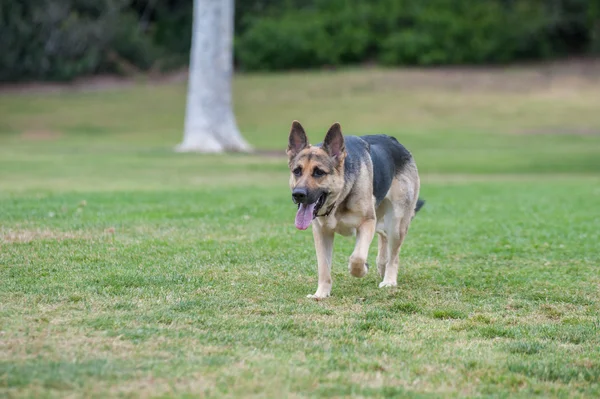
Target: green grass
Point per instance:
(129, 270)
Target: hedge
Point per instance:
(63, 39)
(418, 32)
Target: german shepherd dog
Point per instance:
(353, 186)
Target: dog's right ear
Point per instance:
(298, 140)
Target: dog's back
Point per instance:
(388, 157)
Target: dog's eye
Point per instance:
(318, 172)
(298, 171)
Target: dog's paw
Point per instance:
(317, 296)
(357, 267)
(387, 284)
(323, 291)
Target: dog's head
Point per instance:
(317, 172)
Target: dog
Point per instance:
(353, 185)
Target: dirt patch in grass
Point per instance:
(464, 178)
(40, 135)
(150, 386)
(516, 77)
(27, 236)
(560, 131)
(76, 343)
(93, 83)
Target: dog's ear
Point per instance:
(334, 142)
(298, 140)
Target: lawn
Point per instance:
(129, 270)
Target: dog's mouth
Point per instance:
(307, 212)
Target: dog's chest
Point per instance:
(344, 224)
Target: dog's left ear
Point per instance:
(334, 142)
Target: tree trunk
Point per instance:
(210, 124)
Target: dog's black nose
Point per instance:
(299, 195)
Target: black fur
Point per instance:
(420, 203)
(388, 157)
(385, 151)
(357, 150)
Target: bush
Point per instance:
(282, 44)
(60, 40)
(593, 25)
(465, 34)
(63, 39)
(305, 38)
(415, 32)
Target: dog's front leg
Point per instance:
(324, 246)
(358, 260)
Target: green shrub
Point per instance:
(305, 38)
(286, 43)
(464, 33)
(414, 32)
(60, 40)
(63, 39)
(593, 25)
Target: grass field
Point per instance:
(129, 270)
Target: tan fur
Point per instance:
(356, 214)
(315, 157)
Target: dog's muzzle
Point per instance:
(300, 195)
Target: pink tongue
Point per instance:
(305, 215)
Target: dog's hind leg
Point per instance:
(403, 196)
(395, 239)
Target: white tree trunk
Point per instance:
(210, 124)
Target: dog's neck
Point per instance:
(328, 211)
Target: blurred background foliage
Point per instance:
(64, 39)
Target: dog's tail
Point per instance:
(420, 203)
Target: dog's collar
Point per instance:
(328, 211)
